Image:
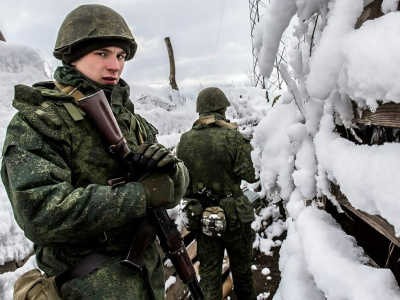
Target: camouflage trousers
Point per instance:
(238, 245)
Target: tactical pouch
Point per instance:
(33, 285)
(245, 210)
(191, 213)
(229, 206)
(213, 221)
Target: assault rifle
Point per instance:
(156, 221)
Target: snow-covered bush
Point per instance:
(333, 72)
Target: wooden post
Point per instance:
(370, 12)
(2, 38)
(172, 81)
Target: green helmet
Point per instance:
(211, 99)
(90, 26)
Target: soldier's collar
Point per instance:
(220, 122)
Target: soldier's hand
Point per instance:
(156, 158)
(159, 189)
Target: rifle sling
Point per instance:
(69, 90)
(83, 267)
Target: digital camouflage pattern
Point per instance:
(218, 158)
(239, 246)
(211, 99)
(92, 22)
(55, 171)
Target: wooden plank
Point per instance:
(380, 224)
(184, 232)
(227, 286)
(385, 115)
(225, 265)
(375, 221)
(11, 266)
(192, 250)
(179, 290)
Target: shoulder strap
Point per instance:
(207, 120)
(70, 90)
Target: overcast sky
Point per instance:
(210, 38)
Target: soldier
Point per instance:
(56, 166)
(218, 159)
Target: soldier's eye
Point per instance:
(121, 56)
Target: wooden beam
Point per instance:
(370, 12)
(227, 286)
(375, 221)
(11, 266)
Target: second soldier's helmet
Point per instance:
(211, 99)
(89, 26)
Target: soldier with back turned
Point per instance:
(218, 159)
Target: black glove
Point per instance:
(159, 189)
(155, 158)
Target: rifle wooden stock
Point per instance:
(97, 107)
(157, 221)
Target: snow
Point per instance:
(362, 185)
(297, 152)
(380, 46)
(265, 271)
(278, 17)
(389, 5)
(321, 238)
(328, 58)
(169, 282)
(26, 67)
(263, 296)
(300, 154)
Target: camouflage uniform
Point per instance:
(218, 158)
(55, 170)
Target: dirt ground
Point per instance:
(261, 282)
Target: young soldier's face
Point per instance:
(103, 65)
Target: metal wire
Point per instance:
(275, 81)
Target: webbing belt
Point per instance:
(215, 188)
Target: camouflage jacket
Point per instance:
(218, 158)
(55, 170)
